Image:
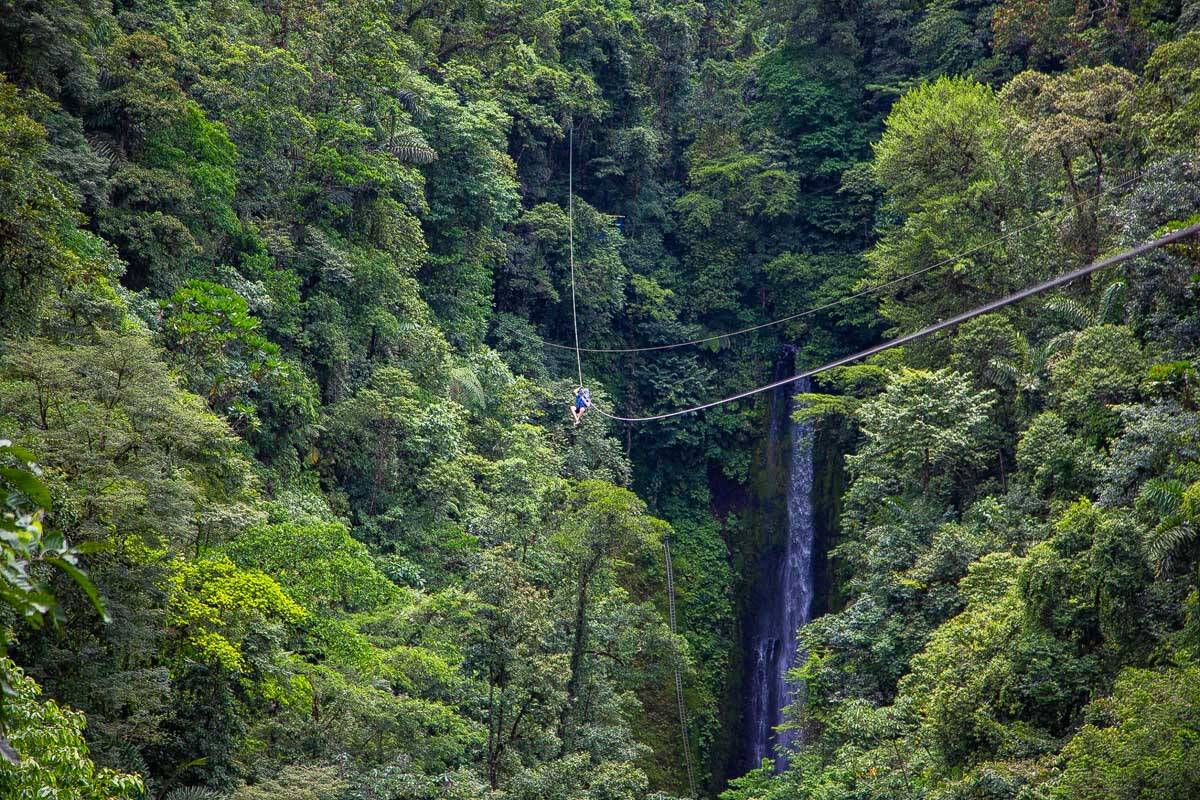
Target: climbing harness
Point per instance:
(1030, 291)
(581, 403)
(865, 292)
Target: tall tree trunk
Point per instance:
(578, 645)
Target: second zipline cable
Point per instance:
(1030, 291)
(867, 291)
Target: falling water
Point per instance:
(784, 598)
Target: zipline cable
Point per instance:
(832, 303)
(1030, 291)
(571, 240)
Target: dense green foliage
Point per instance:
(1018, 523)
(274, 280)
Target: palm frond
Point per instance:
(1057, 345)
(465, 386)
(1161, 544)
(1020, 343)
(104, 148)
(1072, 312)
(1162, 496)
(409, 99)
(1004, 373)
(411, 148)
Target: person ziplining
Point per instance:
(583, 401)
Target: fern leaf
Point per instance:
(1111, 303)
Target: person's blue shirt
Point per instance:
(583, 399)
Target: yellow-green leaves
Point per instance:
(942, 138)
(318, 563)
(214, 605)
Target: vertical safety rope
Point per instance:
(683, 725)
(571, 240)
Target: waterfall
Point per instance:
(784, 596)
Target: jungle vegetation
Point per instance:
(292, 508)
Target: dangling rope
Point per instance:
(1044, 286)
(571, 241)
(683, 723)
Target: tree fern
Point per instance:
(410, 146)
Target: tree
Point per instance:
(599, 521)
(1168, 102)
(54, 755)
(953, 181)
(1077, 121)
(525, 677)
(317, 561)
(1099, 372)
(217, 344)
(1056, 463)
(924, 424)
(1138, 743)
